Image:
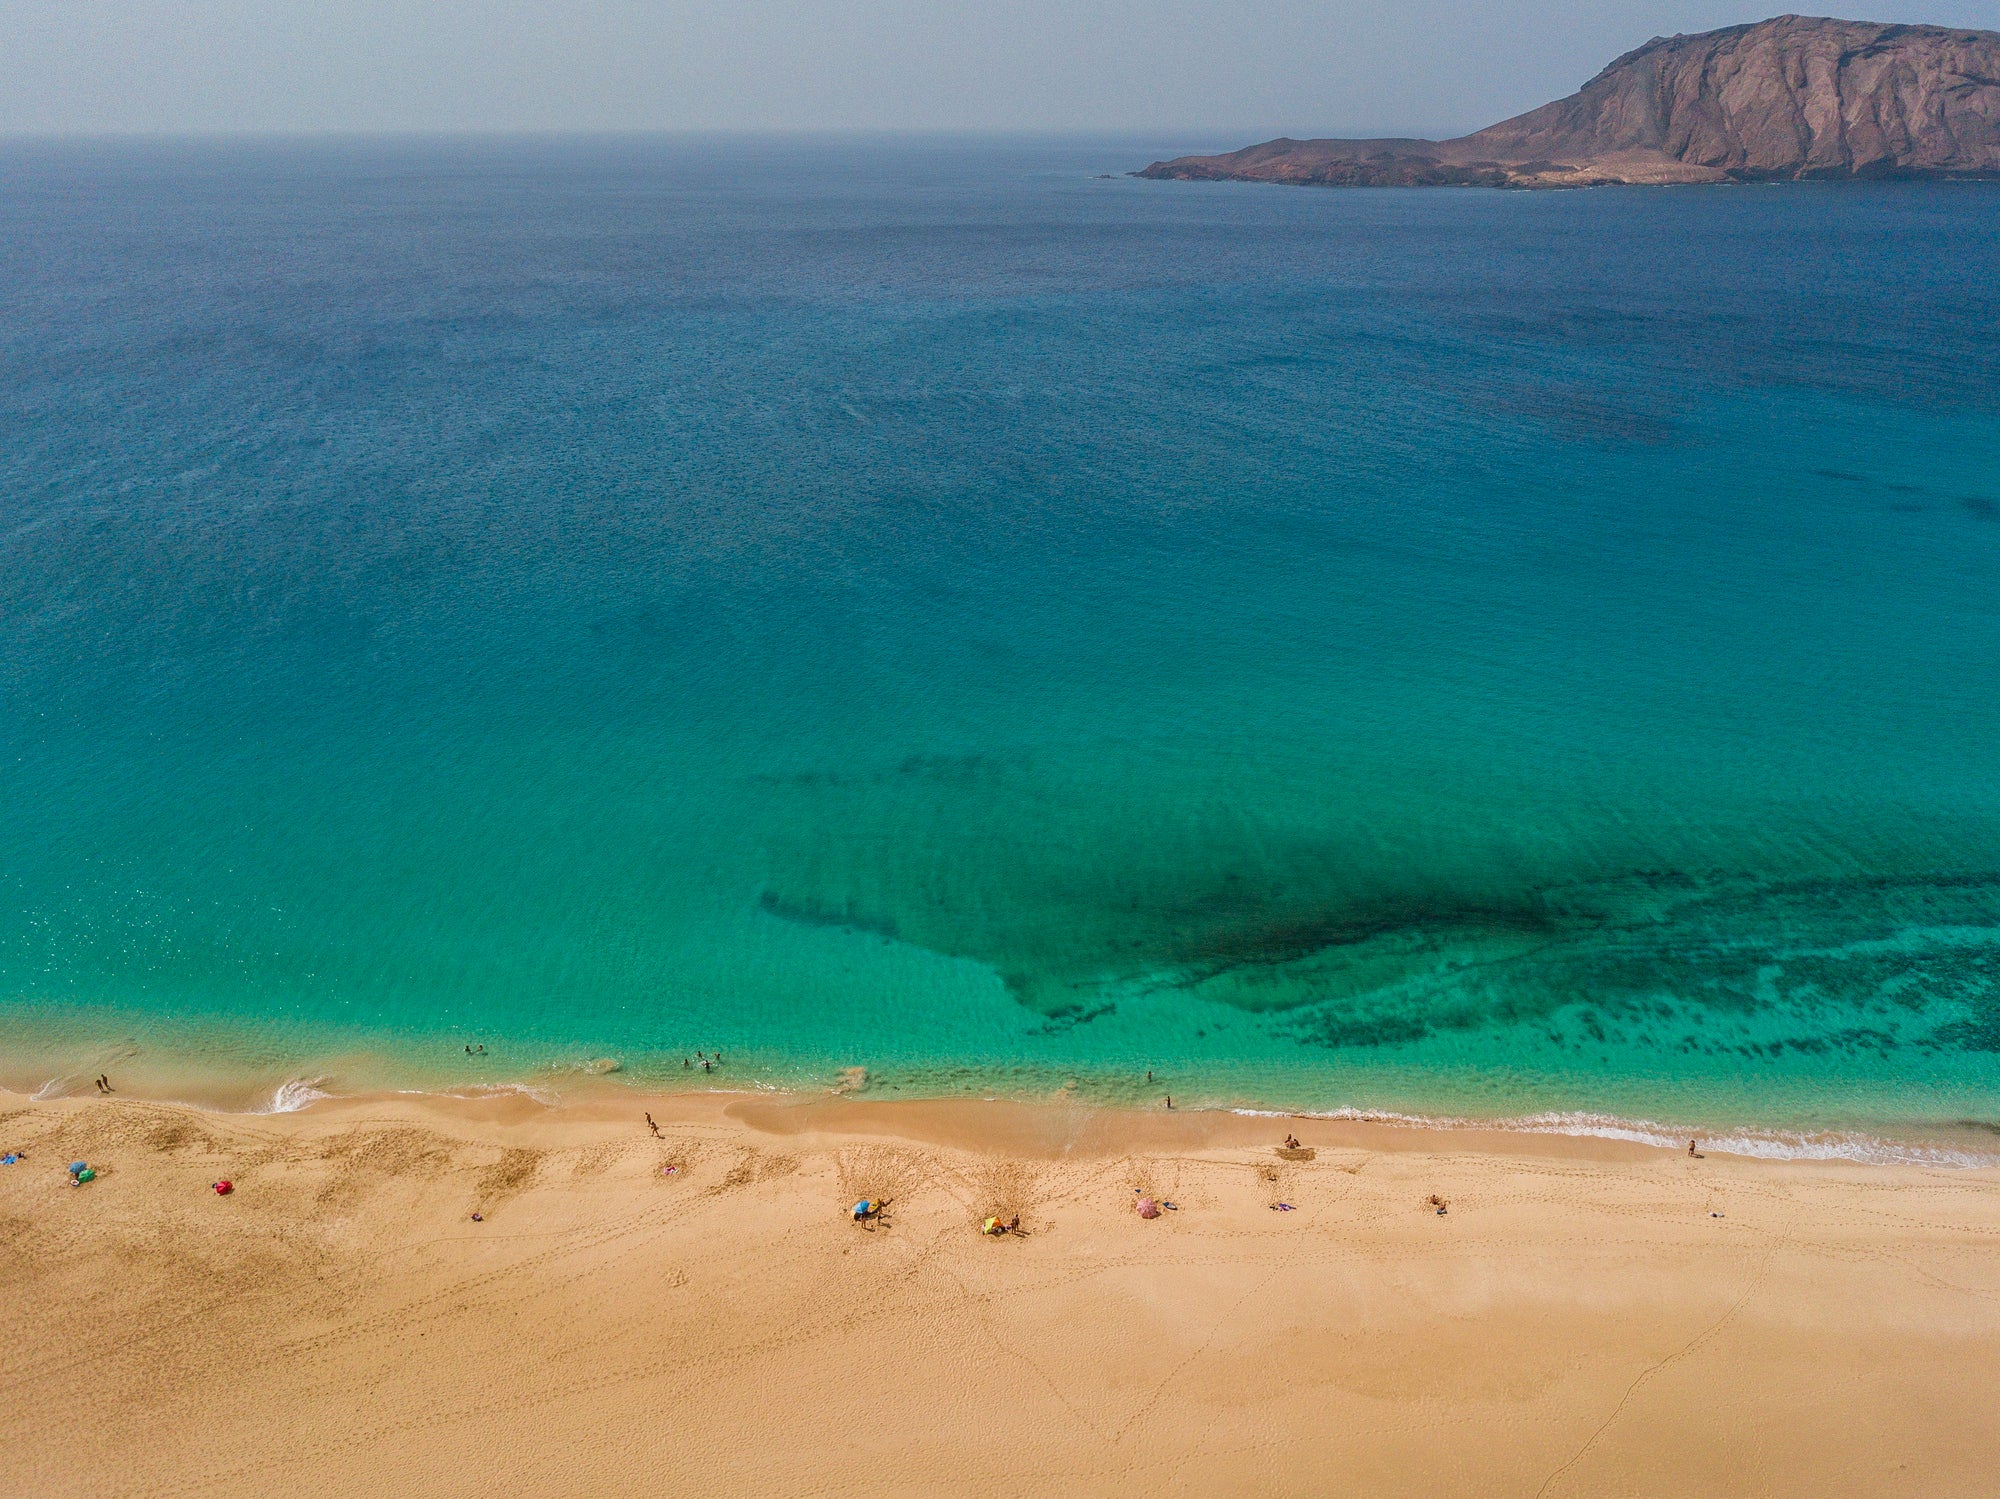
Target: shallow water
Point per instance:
(925, 607)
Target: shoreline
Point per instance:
(244, 1065)
(599, 1096)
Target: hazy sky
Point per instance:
(1235, 67)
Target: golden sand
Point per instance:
(1578, 1323)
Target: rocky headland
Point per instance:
(1795, 97)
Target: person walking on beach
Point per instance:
(652, 1126)
(1170, 1100)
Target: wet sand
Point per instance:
(1580, 1322)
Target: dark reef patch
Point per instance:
(1681, 961)
(1287, 941)
(804, 913)
(1340, 1032)
(953, 771)
(1977, 1032)
(1069, 1017)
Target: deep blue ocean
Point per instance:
(948, 609)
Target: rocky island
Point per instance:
(1790, 98)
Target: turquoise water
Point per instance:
(924, 607)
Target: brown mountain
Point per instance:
(1794, 97)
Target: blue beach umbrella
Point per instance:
(76, 1166)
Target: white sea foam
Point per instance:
(1768, 1145)
(548, 1098)
(293, 1095)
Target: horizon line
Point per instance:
(1252, 134)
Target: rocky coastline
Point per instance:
(1792, 98)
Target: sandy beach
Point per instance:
(1588, 1318)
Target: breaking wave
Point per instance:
(294, 1094)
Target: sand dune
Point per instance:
(1577, 1324)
